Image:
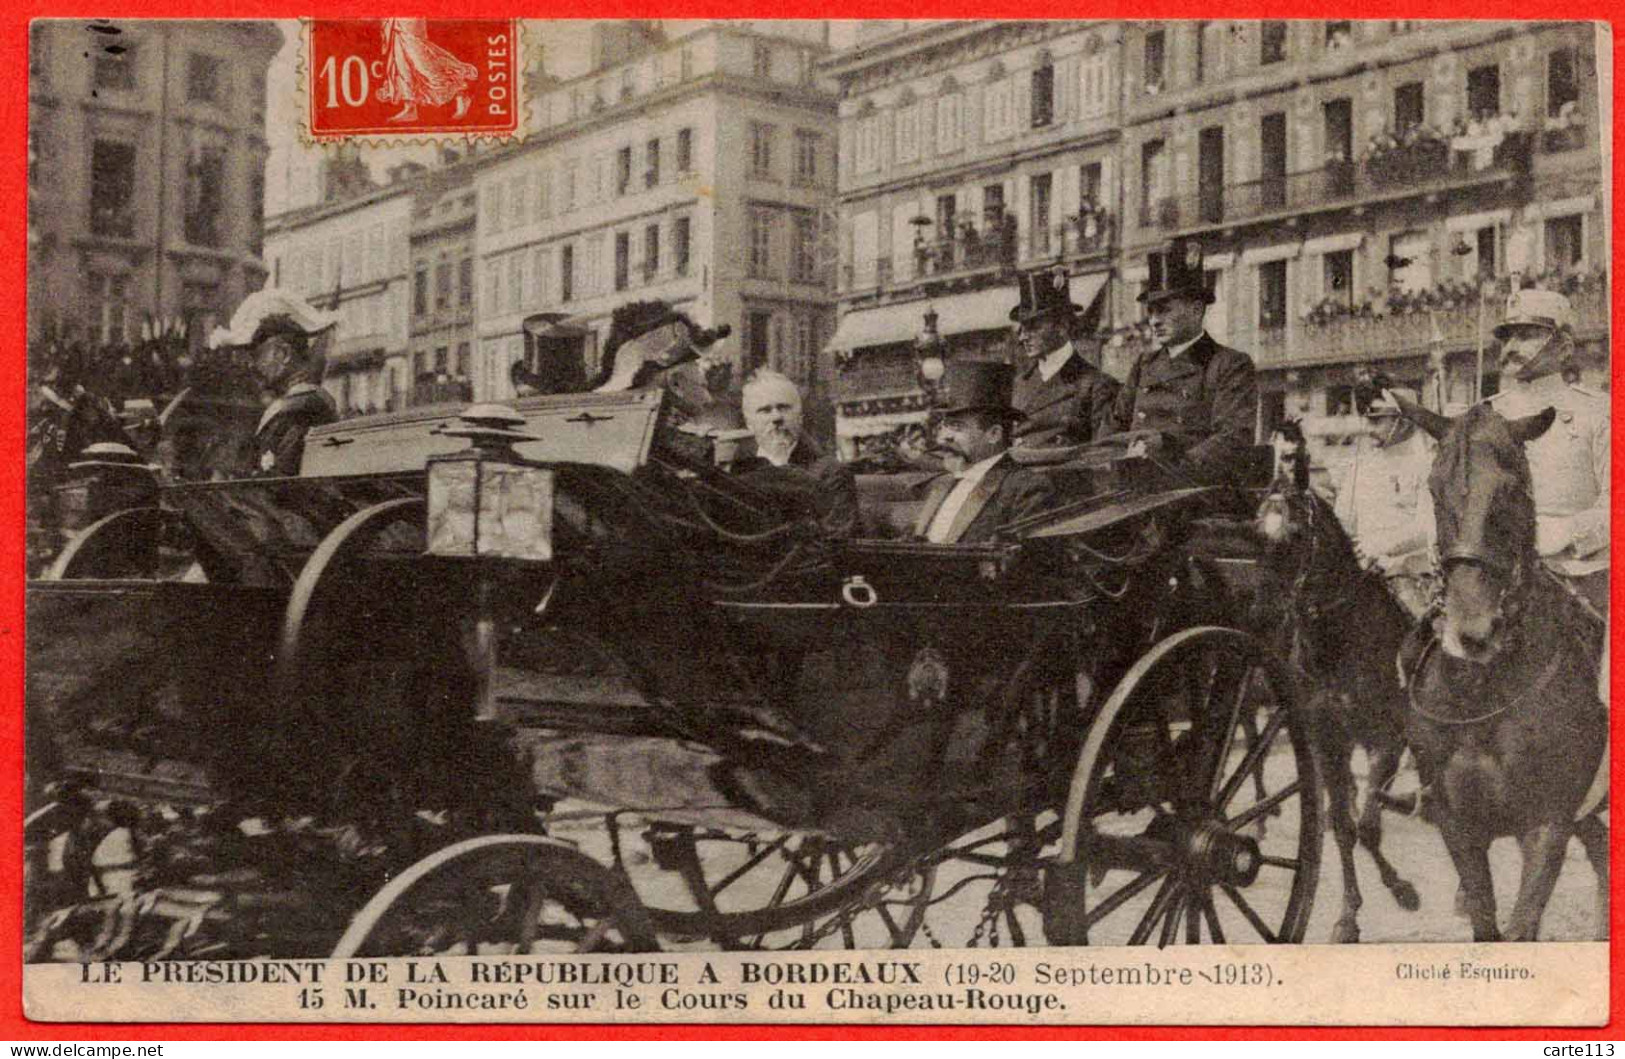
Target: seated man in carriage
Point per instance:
(1064, 398)
(788, 463)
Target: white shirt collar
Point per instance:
(1174, 351)
(1054, 360)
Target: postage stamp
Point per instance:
(405, 77)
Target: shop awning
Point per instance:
(983, 310)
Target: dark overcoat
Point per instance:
(1007, 492)
(1072, 407)
(1205, 399)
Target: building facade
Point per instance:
(351, 256)
(698, 171)
(146, 174)
(968, 150)
(442, 284)
(1366, 193)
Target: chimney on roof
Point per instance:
(618, 41)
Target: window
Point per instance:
(112, 189)
(623, 170)
(761, 59)
(544, 194)
(651, 251)
(1155, 55)
(538, 276)
(1094, 84)
(1339, 35)
(1562, 82)
(1039, 202)
(1089, 193)
(1484, 92)
(115, 70)
(420, 291)
(1153, 179)
(627, 86)
(761, 149)
(685, 150)
(999, 109)
(1340, 399)
(205, 194)
(1271, 42)
(516, 282)
(651, 163)
(1410, 106)
(908, 133)
(1200, 42)
(567, 193)
(1043, 107)
(807, 144)
(1272, 160)
(39, 53)
(623, 259)
(950, 123)
(441, 360)
(867, 147)
(518, 200)
(757, 327)
(1401, 26)
(109, 312)
(1272, 295)
(680, 245)
(1338, 269)
(567, 273)
(686, 64)
(461, 367)
(803, 261)
(204, 74)
(761, 243)
(1565, 241)
(442, 286)
(465, 282)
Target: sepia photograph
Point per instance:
(685, 493)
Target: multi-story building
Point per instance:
(1365, 192)
(696, 171)
(442, 286)
(350, 255)
(968, 150)
(146, 173)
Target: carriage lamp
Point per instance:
(930, 355)
(487, 501)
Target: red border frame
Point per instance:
(13, 188)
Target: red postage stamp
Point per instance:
(412, 76)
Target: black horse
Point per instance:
(1340, 629)
(1504, 713)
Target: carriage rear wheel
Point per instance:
(1199, 741)
(500, 895)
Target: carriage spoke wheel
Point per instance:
(500, 895)
(1199, 741)
(793, 890)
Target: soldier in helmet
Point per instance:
(1383, 500)
(1200, 396)
(1065, 398)
(1569, 464)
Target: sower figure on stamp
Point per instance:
(419, 71)
(1383, 500)
(988, 490)
(1065, 398)
(285, 339)
(1200, 396)
(1569, 463)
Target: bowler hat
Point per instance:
(978, 386)
(1176, 271)
(1043, 292)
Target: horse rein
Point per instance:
(1547, 675)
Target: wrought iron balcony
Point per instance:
(972, 252)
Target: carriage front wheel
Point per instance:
(1200, 742)
(500, 895)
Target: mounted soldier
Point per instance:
(1065, 397)
(1383, 501)
(1199, 397)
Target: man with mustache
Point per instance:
(1201, 397)
(788, 464)
(1065, 398)
(987, 489)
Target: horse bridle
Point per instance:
(1306, 608)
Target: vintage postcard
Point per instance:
(957, 521)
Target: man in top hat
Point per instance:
(1200, 395)
(1383, 500)
(286, 339)
(1569, 464)
(989, 489)
(788, 464)
(1066, 399)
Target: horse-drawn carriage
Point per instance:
(467, 685)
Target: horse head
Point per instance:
(1484, 514)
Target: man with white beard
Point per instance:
(788, 464)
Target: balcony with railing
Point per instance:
(1419, 168)
(972, 252)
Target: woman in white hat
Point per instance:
(286, 340)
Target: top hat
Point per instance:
(1176, 272)
(1044, 292)
(978, 386)
(1542, 308)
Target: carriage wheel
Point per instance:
(793, 890)
(123, 544)
(1199, 740)
(500, 895)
